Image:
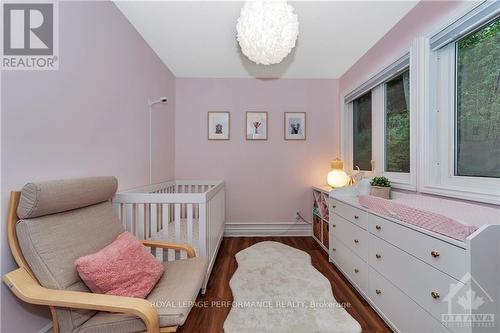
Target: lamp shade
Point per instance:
(337, 164)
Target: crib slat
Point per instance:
(147, 221)
(129, 213)
(159, 209)
(153, 223)
(140, 221)
(165, 218)
(177, 222)
(210, 227)
(133, 227)
(202, 222)
(190, 223)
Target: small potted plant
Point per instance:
(381, 187)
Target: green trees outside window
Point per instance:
(362, 132)
(397, 124)
(477, 151)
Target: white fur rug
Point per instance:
(276, 289)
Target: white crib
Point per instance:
(185, 211)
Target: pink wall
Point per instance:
(87, 118)
(266, 181)
(425, 17)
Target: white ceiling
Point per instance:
(198, 39)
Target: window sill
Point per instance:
(463, 193)
(403, 186)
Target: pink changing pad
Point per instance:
(421, 218)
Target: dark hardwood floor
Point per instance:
(210, 312)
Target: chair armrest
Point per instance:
(175, 246)
(30, 291)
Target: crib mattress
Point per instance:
(168, 234)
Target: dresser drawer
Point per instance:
(426, 285)
(350, 234)
(352, 214)
(355, 269)
(403, 313)
(444, 256)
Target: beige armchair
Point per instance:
(51, 224)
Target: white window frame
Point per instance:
(400, 180)
(438, 174)
(403, 180)
(350, 139)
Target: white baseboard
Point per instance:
(46, 329)
(253, 229)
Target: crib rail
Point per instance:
(176, 186)
(162, 211)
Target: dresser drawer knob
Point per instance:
(378, 256)
(378, 227)
(435, 295)
(356, 217)
(333, 225)
(333, 206)
(334, 249)
(378, 291)
(356, 241)
(356, 270)
(435, 254)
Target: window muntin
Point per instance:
(362, 132)
(397, 124)
(477, 128)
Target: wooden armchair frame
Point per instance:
(23, 283)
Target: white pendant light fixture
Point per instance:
(267, 30)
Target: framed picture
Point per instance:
(218, 125)
(295, 125)
(256, 126)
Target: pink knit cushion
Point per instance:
(122, 268)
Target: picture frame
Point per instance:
(256, 126)
(219, 125)
(295, 126)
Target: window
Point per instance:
(430, 120)
(362, 132)
(461, 126)
(397, 124)
(379, 126)
(477, 128)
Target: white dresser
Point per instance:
(417, 280)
